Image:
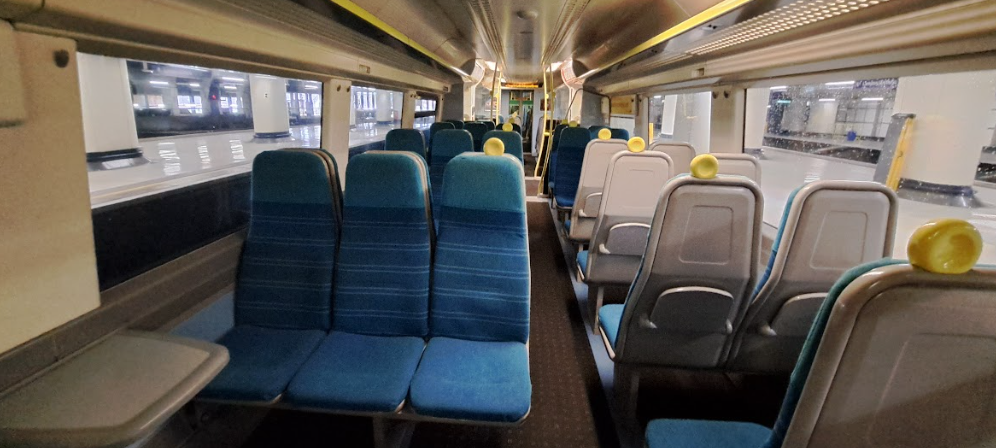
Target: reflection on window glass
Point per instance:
(375, 112)
(425, 113)
(191, 124)
(944, 126)
(684, 117)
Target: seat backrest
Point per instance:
(554, 143)
(512, 141)
(438, 126)
(448, 144)
(570, 157)
(516, 128)
(681, 153)
(457, 124)
(480, 287)
(744, 165)
(490, 125)
(382, 274)
(696, 276)
(620, 133)
(593, 130)
(589, 195)
(287, 263)
(827, 228)
(405, 140)
(629, 198)
(477, 131)
(898, 356)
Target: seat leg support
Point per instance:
(625, 391)
(594, 303)
(390, 433)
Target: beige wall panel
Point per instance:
(48, 273)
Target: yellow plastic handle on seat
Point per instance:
(945, 246)
(635, 144)
(507, 127)
(604, 134)
(494, 147)
(572, 124)
(704, 166)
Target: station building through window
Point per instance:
(151, 127)
(425, 113)
(373, 112)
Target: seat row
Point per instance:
(419, 143)
(573, 139)
(353, 303)
(899, 354)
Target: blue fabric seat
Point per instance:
(382, 290)
(512, 141)
(593, 130)
(702, 434)
(477, 131)
(436, 127)
(554, 143)
(567, 226)
(705, 434)
(284, 287)
(473, 380)
(583, 260)
(609, 317)
(476, 364)
(262, 362)
(447, 144)
(457, 124)
(490, 125)
(619, 133)
(357, 372)
(405, 140)
(567, 171)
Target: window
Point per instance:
(191, 124)
(683, 117)
(376, 111)
(425, 113)
(838, 130)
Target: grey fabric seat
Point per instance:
(619, 238)
(681, 153)
(827, 228)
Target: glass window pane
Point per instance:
(377, 112)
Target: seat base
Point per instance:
(666, 433)
(473, 380)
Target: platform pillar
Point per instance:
(408, 109)
(691, 120)
(108, 114)
(955, 116)
(270, 117)
(756, 119)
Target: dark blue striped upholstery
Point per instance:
(457, 124)
(477, 131)
(553, 155)
(620, 133)
(593, 130)
(382, 275)
(481, 272)
(447, 144)
(438, 126)
(570, 158)
(285, 276)
(405, 140)
(512, 141)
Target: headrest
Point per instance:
(573, 124)
(578, 137)
(704, 166)
(479, 182)
(636, 144)
(440, 125)
(945, 246)
(385, 179)
(297, 177)
(620, 133)
(450, 142)
(494, 146)
(476, 128)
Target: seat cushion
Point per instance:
(704, 434)
(583, 260)
(261, 362)
(353, 372)
(567, 224)
(473, 380)
(609, 317)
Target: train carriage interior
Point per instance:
(515, 223)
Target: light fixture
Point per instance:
(779, 88)
(194, 84)
(827, 100)
(877, 98)
(310, 87)
(229, 87)
(227, 78)
(159, 83)
(840, 83)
